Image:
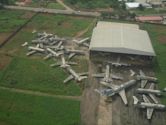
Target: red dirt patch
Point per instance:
(3, 36)
(66, 25)
(4, 61)
(27, 15)
(162, 39)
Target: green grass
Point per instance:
(149, 11)
(34, 73)
(22, 109)
(50, 5)
(55, 5)
(156, 32)
(9, 20)
(92, 4)
(60, 24)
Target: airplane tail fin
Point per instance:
(135, 100)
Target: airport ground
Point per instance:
(32, 73)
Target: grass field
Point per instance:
(150, 11)
(52, 4)
(9, 20)
(158, 36)
(33, 72)
(21, 109)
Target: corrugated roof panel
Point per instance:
(121, 38)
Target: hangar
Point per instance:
(121, 38)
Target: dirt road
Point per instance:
(37, 93)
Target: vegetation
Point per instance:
(34, 73)
(22, 109)
(9, 20)
(54, 5)
(92, 4)
(157, 34)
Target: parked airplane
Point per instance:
(118, 63)
(63, 63)
(144, 79)
(107, 76)
(72, 53)
(151, 92)
(35, 49)
(150, 106)
(116, 89)
(73, 75)
(52, 53)
(82, 42)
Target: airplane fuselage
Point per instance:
(148, 91)
(151, 105)
(139, 77)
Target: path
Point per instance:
(55, 11)
(37, 93)
(82, 32)
(64, 5)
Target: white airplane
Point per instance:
(82, 42)
(144, 79)
(116, 89)
(148, 105)
(76, 76)
(52, 53)
(63, 63)
(72, 53)
(107, 76)
(151, 92)
(35, 49)
(118, 63)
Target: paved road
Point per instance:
(55, 11)
(37, 93)
(64, 5)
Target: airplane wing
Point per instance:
(153, 98)
(152, 86)
(71, 55)
(99, 75)
(149, 113)
(68, 79)
(123, 96)
(143, 83)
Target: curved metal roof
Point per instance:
(121, 38)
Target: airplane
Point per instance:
(72, 53)
(151, 92)
(118, 63)
(148, 105)
(52, 53)
(76, 76)
(107, 76)
(82, 42)
(116, 89)
(24, 44)
(132, 73)
(144, 79)
(63, 63)
(35, 49)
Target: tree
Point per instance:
(141, 7)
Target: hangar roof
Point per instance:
(121, 38)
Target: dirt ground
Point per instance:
(162, 39)
(4, 61)
(3, 36)
(96, 111)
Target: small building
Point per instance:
(132, 5)
(121, 38)
(152, 19)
